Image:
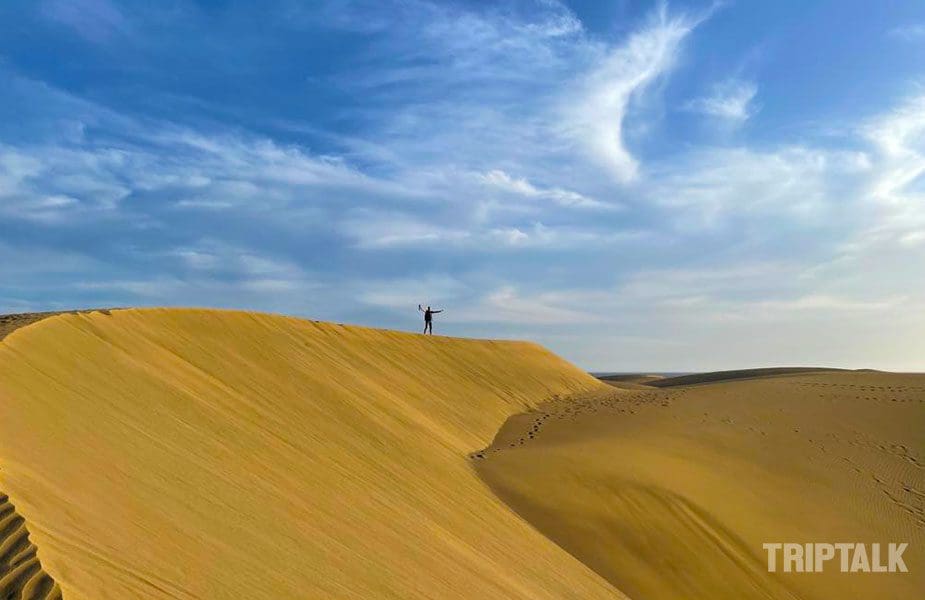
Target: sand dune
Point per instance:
(631, 380)
(214, 454)
(670, 493)
(204, 454)
(721, 376)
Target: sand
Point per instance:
(724, 376)
(21, 574)
(219, 455)
(670, 493)
(216, 454)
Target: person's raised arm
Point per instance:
(436, 311)
(420, 309)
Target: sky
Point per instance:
(656, 186)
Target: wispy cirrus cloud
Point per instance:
(730, 100)
(595, 113)
(712, 186)
(500, 180)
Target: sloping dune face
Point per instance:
(21, 574)
(671, 493)
(205, 454)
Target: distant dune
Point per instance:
(631, 378)
(228, 455)
(719, 376)
(182, 453)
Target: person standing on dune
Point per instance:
(428, 318)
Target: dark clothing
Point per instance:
(429, 319)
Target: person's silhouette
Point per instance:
(428, 318)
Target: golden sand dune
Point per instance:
(723, 376)
(632, 381)
(218, 455)
(670, 493)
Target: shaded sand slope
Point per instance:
(718, 376)
(204, 454)
(631, 381)
(21, 575)
(670, 493)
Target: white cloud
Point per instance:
(538, 235)
(404, 294)
(253, 161)
(512, 236)
(500, 180)
(504, 304)
(899, 133)
(52, 183)
(240, 267)
(709, 186)
(730, 100)
(898, 169)
(600, 103)
(913, 238)
(824, 302)
(372, 230)
(507, 305)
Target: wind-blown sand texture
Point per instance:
(218, 455)
(215, 454)
(21, 575)
(670, 493)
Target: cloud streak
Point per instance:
(596, 113)
(730, 101)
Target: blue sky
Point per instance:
(638, 185)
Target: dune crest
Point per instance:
(214, 454)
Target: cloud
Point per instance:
(54, 183)
(498, 179)
(899, 133)
(465, 304)
(600, 104)
(503, 162)
(892, 197)
(373, 230)
(710, 186)
(507, 305)
(405, 293)
(825, 303)
(561, 237)
(730, 100)
(898, 156)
